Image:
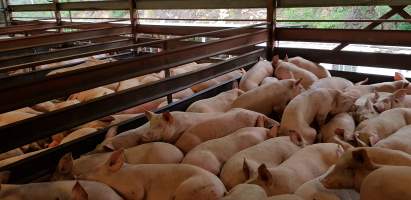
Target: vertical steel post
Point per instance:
(57, 14)
(270, 27)
(3, 13)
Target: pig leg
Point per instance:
(195, 188)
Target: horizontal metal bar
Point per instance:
(43, 27)
(13, 135)
(335, 3)
(377, 37)
(356, 77)
(344, 20)
(396, 61)
(18, 43)
(189, 30)
(44, 163)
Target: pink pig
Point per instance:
(313, 105)
(286, 70)
(220, 103)
(305, 165)
(156, 181)
(212, 154)
(269, 97)
(253, 78)
(317, 69)
(272, 152)
(218, 127)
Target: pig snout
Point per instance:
(329, 183)
(379, 108)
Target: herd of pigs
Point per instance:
(287, 131)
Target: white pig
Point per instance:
(272, 152)
(256, 75)
(305, 165)
(218, 127)
(156, 181)
(219, 103)
(246, 192)
(313, 105)
(317, 69)
(400, 140)
(286, 70)
(212, 154)
(269, 97)
(150, 153)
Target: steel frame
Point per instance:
(28, 89)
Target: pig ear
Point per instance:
(265, 175)
(399, 95)
(65, 165)
(112, 132)
(246, 169)
(340, 132)
(243, 71)
(168, 117)
(116, 160)
(361, 157)
(376, 96)
(398, 76)
(359, 142)
(148, 114)
(78, 192)
(298, 82)
(374, 139)
(296, 138)
(286, 58)
(362, 82)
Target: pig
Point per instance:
(166, 127)
(270, 97)
(316, 69)
(269, 80)
(78, 134)
(313, 105)
(217, 127)
(14, 116)
(88, 63)
(355, 164)
(389, 182)
(253, 78)
(215, 81)
(212, 154)
(90, 94)
(306, 164)
(150, 153)
(188, 68)
(143, 107)
(286, 70)
(285, 197)
(220, 103)
(246, 192)
(370, 131)
(359, 90)
(127, 84)
(332, 83)
(11, 153)
(272, 152)
(341, 125)
(398, 99)
(156, 181)
(400, 140)
(61, 190)
(314, 190)
(400, 77)
(364, 107)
